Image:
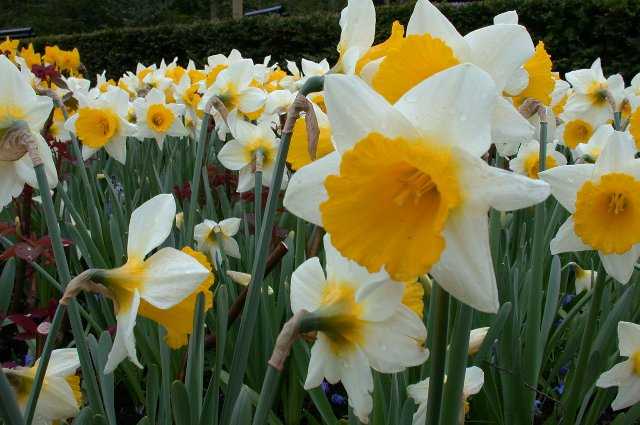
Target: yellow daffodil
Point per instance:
(527, 160)
(604, 202)
(9, 48)
(406, 189)
(60, 397)
(157, 119)
(298, 155)
(363, 326)
(101, 123)
(30, 56)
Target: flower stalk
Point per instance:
(438, 328)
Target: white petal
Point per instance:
(628, 338)
(465, 269)
(628, 395)
(566, 181)
(508, 17)
(508, 126)
(252, 99)
(341, 269)
(233, 156)
(87, 152)
(117, 149)
(230, 226)
(419, 391)
(56, 400)
(356, 110)
(11, 184)
(358, 24)
(170, 276)
(620, 266)
(38, 112)
(463, 97)
(473, 381)
(427, 19)
(396, 343)
(358, 382)
(500, 50)
(379, 299)
(321, 359)
(619, 151)
(24, 166)
(150, 225)
(230, 247)
(566, 240)
(124, 344)
(307, 284)
(63, 362)
(507, 191)
(246, 180)
(306, 189)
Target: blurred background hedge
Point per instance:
(574, 31)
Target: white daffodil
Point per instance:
(596, 144)
(78, 86)
(559, 96)
(593, 92)
(584, 279)
(233, 87)
(634, 118)
(433, 44)
(634, 86)
(102, 85)
(240, 154)
(527, 162)
(163, 280)
(363, 325)
(473, 381)
(604, 202)
(60, 397)
(213, 237)
(358, 30)
(101, 123)
(216, 63)
(577, 127)
(19, 103)
(625, 375)
(157, 119)
(406, 188)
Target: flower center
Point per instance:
(607, 213)
(636, 362)
(411, 61)
(390, 203)
(340, 316)
(260, 145)
(159, 118)
(96, 127)
(598, 93)
(9, 114)
(576, 132)
(532, 164)
(541, 81)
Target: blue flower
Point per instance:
(338, 400)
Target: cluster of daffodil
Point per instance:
(419, 158)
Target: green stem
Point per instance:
(452, 397)
(8, 404)
(195, 180)
(267, 395)
(532, 354)
(250, 310)
(257, 202)
(575, 389)
(93, 392)
(439, 319)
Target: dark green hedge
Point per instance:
(574, 31)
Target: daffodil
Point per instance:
(358, 30)
(233, 87)
(476, 339)
(577, 128)
(406, 189)
(604, 202)
(363, 326)
(19, 103)
(473, 381)
(298, 155)
(593, 92)
(178, 320)
(163, 280)
(596, 144)
(219, 62)
(101, 123)
(9, 48)
(625, 375)
(634, 119)
(559, 96)
(60, 397)
(214, 237)
(584, 279)
(241, 153)
(527, 162)
(157, 119)
(30, 56)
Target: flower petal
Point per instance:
(566, 181)
(507, 191)
(124, 344)
(463, 97)
(150, 225)
(233, 156)
(307, 284)
(620, 266)
(628, 338)
(63, 362)
(566, 240)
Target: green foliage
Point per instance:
(575, 32)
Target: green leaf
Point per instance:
(6, 285)
(180, 403)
